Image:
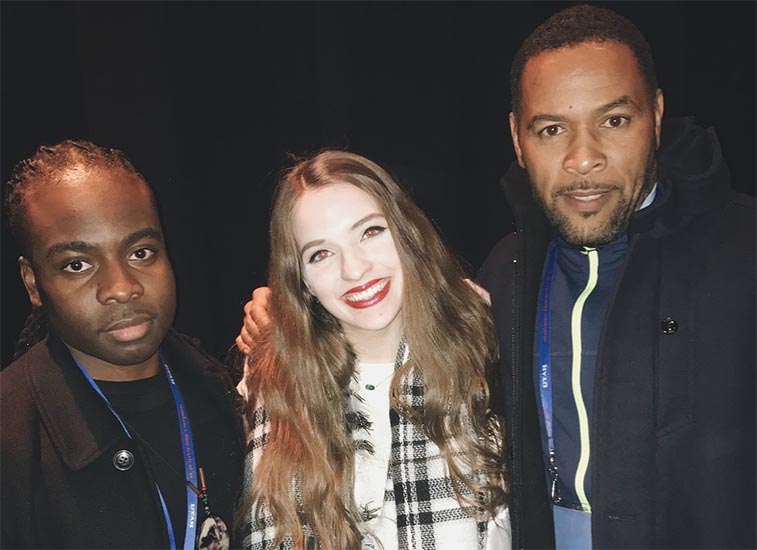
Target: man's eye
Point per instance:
(318, 256)
(616, 121)
(551, 131)
(373, 231)
(142, 254)
(77, 266)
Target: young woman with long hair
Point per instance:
(368, 403)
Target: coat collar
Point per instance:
(79, 423)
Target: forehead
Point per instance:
(586, 74)
(329, 210)
(90, 206)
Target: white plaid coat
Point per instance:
(428, 515)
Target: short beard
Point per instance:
(616, 224)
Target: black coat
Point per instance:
(60, 488)
(673, 427)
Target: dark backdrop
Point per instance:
(207, 99)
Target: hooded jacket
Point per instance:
(673, 422)
(61, 487)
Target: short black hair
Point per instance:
(51, 162)
(576, 25)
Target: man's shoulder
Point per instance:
(731, 225)
(193, 360)
(191, 348)
(500, 257)
(742, 204)
(18, 407)
(13, 378)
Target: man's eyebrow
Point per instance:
(145, 233)
(73, 246)
(622, 101)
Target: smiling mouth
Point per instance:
(369, 294)
(587, 200)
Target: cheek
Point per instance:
(70, 315)
(320, 281)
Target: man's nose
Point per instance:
(118, 284)
(585, 154)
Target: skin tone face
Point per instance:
(350, 264)
(99, 268)
(586, 134)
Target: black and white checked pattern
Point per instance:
(428, 515)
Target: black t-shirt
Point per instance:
(149, 409)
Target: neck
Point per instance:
(108, 372)
(376, 346)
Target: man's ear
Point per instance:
(516, 142)
(30, 281)
(659, 108)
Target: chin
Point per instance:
(135, 353)
(589, 231)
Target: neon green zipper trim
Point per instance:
(583, 417)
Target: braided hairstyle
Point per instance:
(47, 165)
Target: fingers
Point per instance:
(244, 348)
(480, 291)
(257, 320)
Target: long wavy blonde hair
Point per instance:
(303, 371)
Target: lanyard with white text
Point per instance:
(545, 367)
(187, 450)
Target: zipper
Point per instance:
(577, 345)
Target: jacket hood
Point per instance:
(691, 170)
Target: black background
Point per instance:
(207, 99)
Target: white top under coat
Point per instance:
(372, 477)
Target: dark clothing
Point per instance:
(570, 278)
(149, 408)
(673, 420)
(60, 487)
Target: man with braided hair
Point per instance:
(116, 431)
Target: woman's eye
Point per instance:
(77, 266)
(373, 231)
(142, 254)
(319, 256)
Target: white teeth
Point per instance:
(368, 292)
(587, 198)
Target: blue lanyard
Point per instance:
(545, 366)
(187, 450)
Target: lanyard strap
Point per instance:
(545, 366)
(187, 451)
